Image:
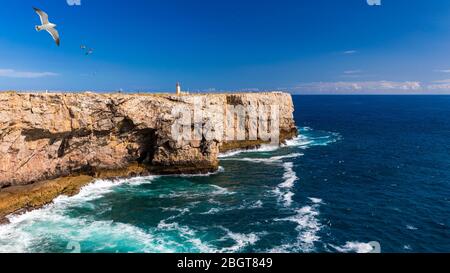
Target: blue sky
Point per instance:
(320, 46)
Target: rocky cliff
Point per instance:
(48, 136)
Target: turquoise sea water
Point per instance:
(363, 169)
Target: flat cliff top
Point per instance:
(133, 94)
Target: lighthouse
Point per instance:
(178, 89)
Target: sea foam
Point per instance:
(307, 226)
(27, 229)
(263, 148)
(356, 247)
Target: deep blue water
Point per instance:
(364, 169)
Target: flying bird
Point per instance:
(87, 51)
(46, 25)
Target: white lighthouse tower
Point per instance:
(178, 89)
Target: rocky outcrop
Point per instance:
(46, 136)
(49, 136)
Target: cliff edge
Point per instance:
(48, 136)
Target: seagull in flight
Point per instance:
(46, 25)
(87, 51)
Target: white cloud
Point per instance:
(442, 81)
(441, 85)
(360, 86)
(442, 70)
(349, 52)
(11, 73)
(352, 72)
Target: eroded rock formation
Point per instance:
(48, 136)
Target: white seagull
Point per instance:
(46, 25)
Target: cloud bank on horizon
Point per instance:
(11, 73)
(373, 87)
(313, 47)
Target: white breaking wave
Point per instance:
(288, 156)
(269, 160)
(28, 229)
(284, 190)
(219, 170)
(284, 197)
(247, 205)
(191, 236)
(180, 210)
(410, 227)
(308, 226)
(289, 176)
(302, 141)
(305, 141)
(90, 192)
(98, 189)
(316, 200)
(263, 148)
(175, 226)
(137, 181)
(355, 247)
(96, 236)
(242, 241)
(15, 240)
(258, 204)
(181, 213)
(251, 205)
(299, 141)
(187, 234)
(221, 191)
(193, 193)
(212, 211)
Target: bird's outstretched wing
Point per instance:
(42, 15)
(55, 35)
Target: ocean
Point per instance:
(364, 169)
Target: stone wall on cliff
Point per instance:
(46, 136)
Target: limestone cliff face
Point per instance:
(46, 136)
